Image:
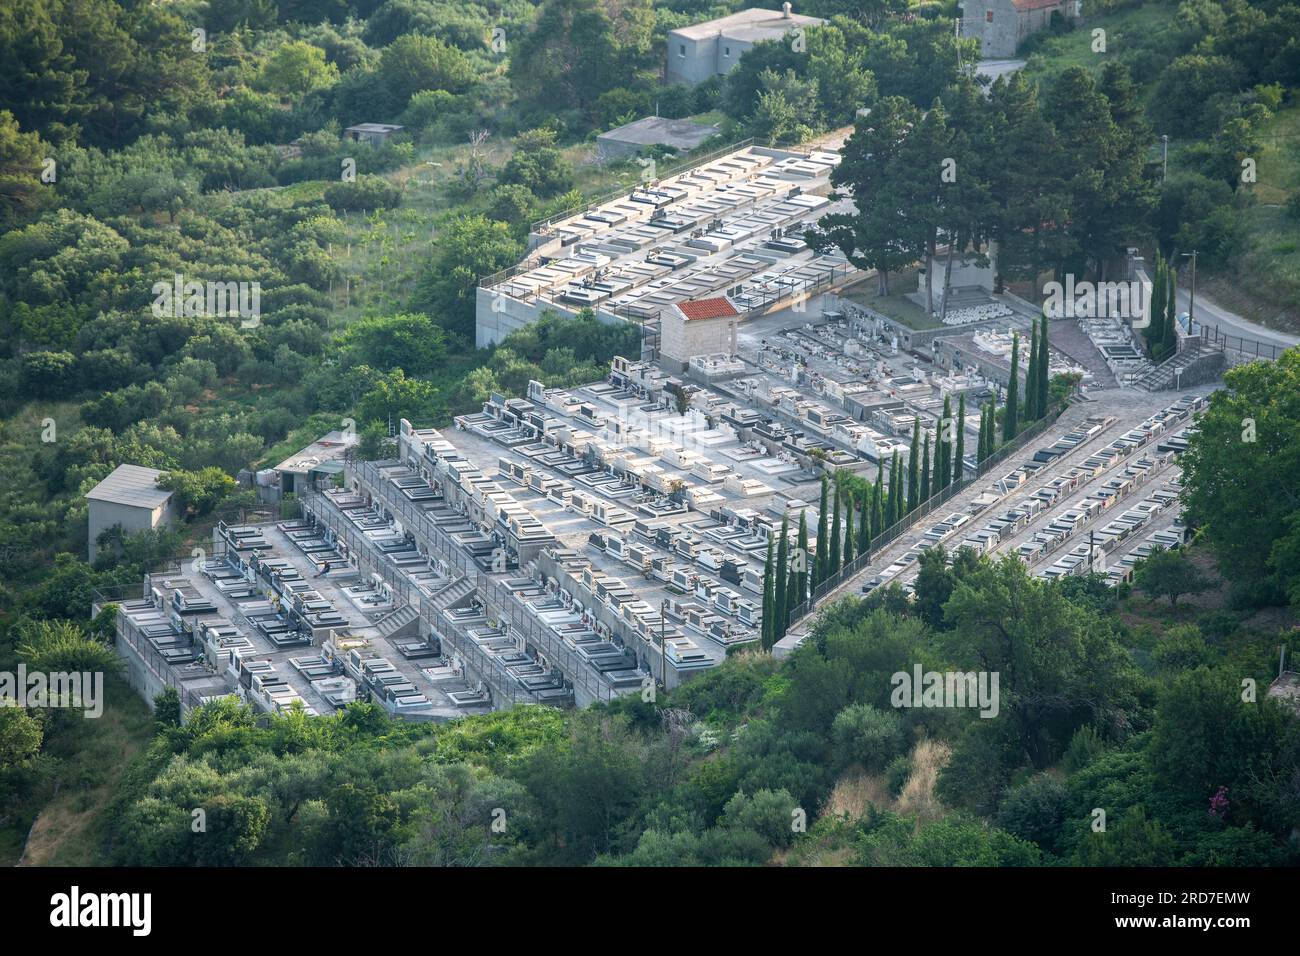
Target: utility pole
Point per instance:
(1164, 158)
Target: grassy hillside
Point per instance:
(1262, 281)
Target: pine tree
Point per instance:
(925, 469)
(781, 584)
(1031, 386)
(802, 579)
(769, 602)
(958, 468)
(1044, 370)
(833, 558)
(1010, 420)
(823, 542)
(914, 479)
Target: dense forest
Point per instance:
(141, 141)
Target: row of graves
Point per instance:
(1133, 457)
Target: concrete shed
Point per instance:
(630, 139)
(129, 497)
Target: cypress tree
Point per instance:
(959, 469)
(913, 479)
(925, 469)
(769, 612)
(878, 503)
(1044, 375)
(781, 584)
(849, 545)
(823, 542)
(1031, 386)
(1010, 420)
(833, 556)
(802, 578)
(1156, 310)
(943, 456)
(1171, 316)
(864, 525)
(895, 491)
(982, 441)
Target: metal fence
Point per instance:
(1236, 343)
(892, 533)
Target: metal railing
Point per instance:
(1237, 343)
(896, 530)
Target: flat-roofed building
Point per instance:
(376, 134)
(704, 50)
(129, 497)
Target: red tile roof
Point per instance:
(707, 308)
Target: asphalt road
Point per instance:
(1209, 313)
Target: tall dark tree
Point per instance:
(1027, 182)
(805, 557)
(889, 233)
(864, 525)
(1153, 332)
(833, 558)
(850, 546)
(1042, 380)
(1170, 340)
(913, 468)
(823, 538)
(943, 454)
(1031, 385)
(958, 468)
(878, 502)
(1104, 166)
(1010, 423)
(780, 580)
(895, 509)
(925, 469)
(769, 596)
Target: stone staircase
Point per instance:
(391, 625)
(454, 593)
(1194, 365)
